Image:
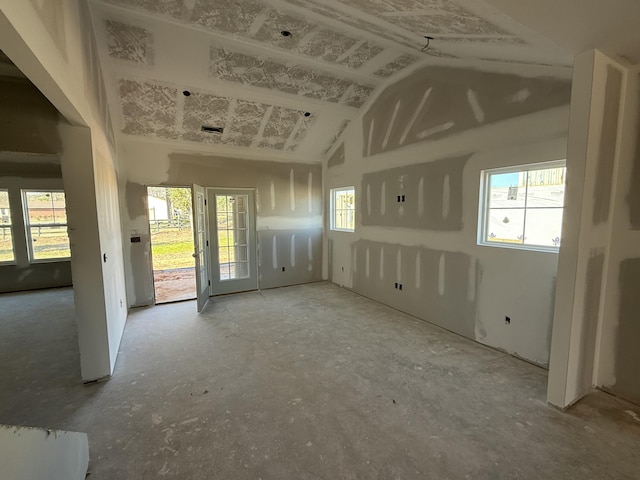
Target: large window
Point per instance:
(46, 223)
(6, 230)
(343, 209)
(521, 207)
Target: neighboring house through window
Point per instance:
(521, 207)
(46, 224)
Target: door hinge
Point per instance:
(209, 282)
(205, 201)
(207, 243)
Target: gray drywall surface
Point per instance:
(288, 216)
(436, 102)
(607, 151)
(627, 352)
(423, 196)
(337, 158)
(588, 337)
(633, 198)
(427, 241)
(427, 283)
(28, 121)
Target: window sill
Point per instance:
(526, 248)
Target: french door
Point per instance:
(233, 240)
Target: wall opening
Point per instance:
(170, 225)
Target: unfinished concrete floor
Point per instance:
(306, 382)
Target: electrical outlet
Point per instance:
(400, 286)
(396, 285)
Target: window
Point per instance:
(521, 207)
(6, 233)
(46, 223)
(343, 209)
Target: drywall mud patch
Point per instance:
(608, 141)
(627, 352)
(129, 42)
(290, 181)
(337, 158)
(436, 102)
(424, 196)
(588, 336)
(135, 197)
(298, 252)
(430, 280)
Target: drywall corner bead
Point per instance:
(453, 100)
(430, 289)
(431, 196)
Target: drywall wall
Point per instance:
(495, 116)
(23, 275)
(68, 74)
(28, 453)
(618, 328)
(28, 121)
(288, 209)
(30, 146)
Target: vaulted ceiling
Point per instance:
(283, 78)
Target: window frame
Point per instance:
(11, 230)
(333, 193)
(483, 204)
(28, 226)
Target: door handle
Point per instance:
(194, 255)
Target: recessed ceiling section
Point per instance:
(293, 79)
(154, 109)
(129, 42)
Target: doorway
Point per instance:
(172, 247)
(233, 249)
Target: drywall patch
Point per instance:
(595, 268)
(129, 42)
(269, 32)
(361, 55)
(226, 15)
(337, 158)
(434, 17)
(608, 144)
(265, 73)
(432, 191)
(627, 351)
(445, 108)
(149, 108)
(200, 109)
(422, 270)
(327, 45)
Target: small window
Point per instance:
(521, 207)
(7, 254)
(46, 223)
(343, 209)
